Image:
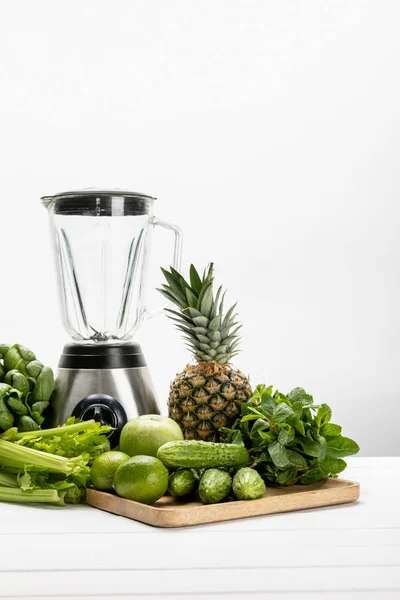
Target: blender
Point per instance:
(101, 241)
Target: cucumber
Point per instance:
(197, 455)
(182, 482)
(214, 486)
(248, 484)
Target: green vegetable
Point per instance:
(17, 357)
(182, 482)
(44, 387)
(56, 460)
(8, 480)
(3, 350)
(16, 404)
(291, 440)
(197, 454)
(70, 440)
(215, 485)
(30, 388)
(8, 494)
(26, 423)
(34, 368)
(6, 417)
(248, 484)
(16, 456)
(15, 379)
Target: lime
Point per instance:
(141, 478)
(104, 467)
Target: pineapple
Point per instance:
(207, 395)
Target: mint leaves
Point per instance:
(290, 439)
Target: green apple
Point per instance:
(145, 434)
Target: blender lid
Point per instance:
(97, 202)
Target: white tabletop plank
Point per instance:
(205, 581)
(309, 595)
(365, 514)
(345, 551)
(115, 553)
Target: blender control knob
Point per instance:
(104, 409)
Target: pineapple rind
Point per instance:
(202, 400)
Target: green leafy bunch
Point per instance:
(73, 438)
(26, 388)
(290, 438)
(51, 465)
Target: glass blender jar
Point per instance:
(101, 241)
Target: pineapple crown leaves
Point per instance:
(209, 334)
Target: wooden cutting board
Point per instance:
(169, 512)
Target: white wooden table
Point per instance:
(350, 551)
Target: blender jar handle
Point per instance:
(176, 262)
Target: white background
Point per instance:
(269, 131)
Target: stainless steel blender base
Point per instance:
(132, 387)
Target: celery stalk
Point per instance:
(64, 430)
(8, 480)
(17, 495)
(13, 455)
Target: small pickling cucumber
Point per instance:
(182, 482)
(248, 484)
(198, 455)
(214, 486)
